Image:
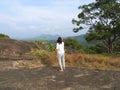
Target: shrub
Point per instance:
(4, 36)
(50, 47)
(42, 55)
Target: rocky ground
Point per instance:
(18, 71)
(49, 78)
(14, 49)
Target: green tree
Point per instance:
(117, 46)
(103, 20)
(73, 43)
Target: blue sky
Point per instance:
(31, 18)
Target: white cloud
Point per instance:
(53, 18)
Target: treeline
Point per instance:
(75, 44)
(91, 47)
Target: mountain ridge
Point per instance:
(54, 37)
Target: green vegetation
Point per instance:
(47, 56)
(4, 36)
(103, 20)
(45, 53)
(73, 43)
(42, 55)
(45, 44)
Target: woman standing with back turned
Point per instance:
(60, 53)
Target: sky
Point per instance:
(31, 18)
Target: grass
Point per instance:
(92, 61)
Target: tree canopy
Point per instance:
(103, 20)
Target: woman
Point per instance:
(60, 53)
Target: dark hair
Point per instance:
(59, 40)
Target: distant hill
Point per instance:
(79, 38)
(83, 41)
(53, 38)
(46, 37)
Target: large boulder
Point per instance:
(11, 48)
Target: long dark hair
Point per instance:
(59, 40)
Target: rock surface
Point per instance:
(14, 49)
(49, 78)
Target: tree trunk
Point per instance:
(110, 47)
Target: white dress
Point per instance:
(61, 55)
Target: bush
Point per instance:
(42, 55)
(45, 45)
(4, 36)
(50, 47)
